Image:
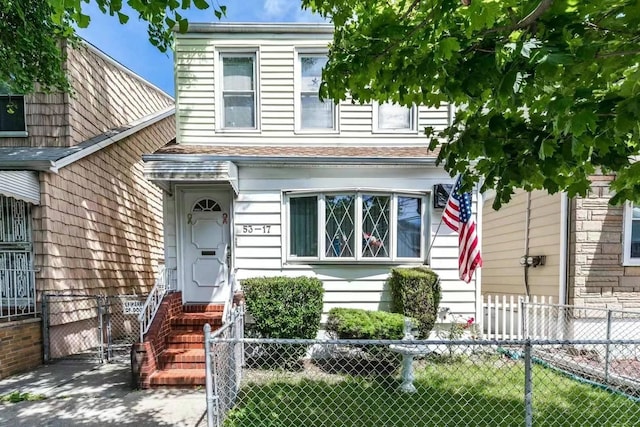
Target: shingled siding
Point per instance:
(106, 95)
(46, 120)
(99, 228)
(595, 260)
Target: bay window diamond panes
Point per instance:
(375, 226)
(303, 229)
(409, 228)
(314, 113)
(394, 117)
(340, 226)
(238, 91)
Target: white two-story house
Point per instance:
(266, 179)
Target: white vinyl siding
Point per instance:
(261, 201)
(196, 86)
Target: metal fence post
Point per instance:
(607, 357)
(100, 331)
(208, 376)
(45, 327)
(528, 385)
(107, 310)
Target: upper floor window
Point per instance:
(389, 117)
(631, 234)
(356, 226)
(12, 115)
(313, 113)
(238, 90)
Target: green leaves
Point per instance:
(550, 92)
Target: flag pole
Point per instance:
(426, 258)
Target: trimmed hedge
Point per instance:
(416, 292)
(284, 307)
(354, 323)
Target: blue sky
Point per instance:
(129, 44)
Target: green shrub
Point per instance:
(416, 293)
(284, 307)
(353, 323)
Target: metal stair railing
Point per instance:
(165, 282)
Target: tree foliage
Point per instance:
(548, 92)
(31, 33)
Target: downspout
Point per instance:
(565, 221)
(527, 223)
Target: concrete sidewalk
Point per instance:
(81, 393)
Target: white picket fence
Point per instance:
(502, 317)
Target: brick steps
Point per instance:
(182, 363)
(178, 378)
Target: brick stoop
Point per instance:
(182, 363)
(172, 354)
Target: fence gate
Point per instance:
(100, 328)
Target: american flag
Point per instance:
(458, 217)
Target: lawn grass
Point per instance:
(458, 391)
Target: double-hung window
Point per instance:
(389, 117)
(239, 100)
(12, 113)
(356, 226)
(313, 113)
(631, 234)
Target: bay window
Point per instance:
(356, 226)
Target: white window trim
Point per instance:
(219, 88)
(297, 89)
(627, 260)
(413, 130)
(16, 133)
(358, 258)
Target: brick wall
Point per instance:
(144, 358)
(20, 346)
(595, 253)
(99, 227)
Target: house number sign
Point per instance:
(256, 229)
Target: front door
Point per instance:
(205, 246)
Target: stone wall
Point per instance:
(595, 255)
(20, 346)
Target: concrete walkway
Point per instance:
(81, 393)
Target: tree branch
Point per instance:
(528, 20)
(623, 53)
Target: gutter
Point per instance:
(286, 160)
(252, 27)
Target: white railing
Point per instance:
(17, 293)
(228, 303)
(502, 315)
(165, 282)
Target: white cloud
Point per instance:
(279, 8)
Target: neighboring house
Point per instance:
(265, 179)
(592, 249)
(76, 214)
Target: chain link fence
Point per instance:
(419, 383)
(100, 328)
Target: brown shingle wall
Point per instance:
(20, 346)
(99, 229)
(595, 257)
(47, 123)
(106, 96)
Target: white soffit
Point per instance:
(23, 185)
